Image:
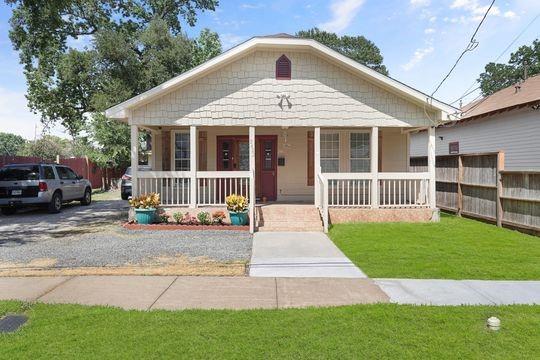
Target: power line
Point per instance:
(467, 92)
(473, 44)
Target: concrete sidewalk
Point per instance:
(460, 292)
(299, 254)
(185, 292)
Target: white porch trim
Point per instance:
(374, 154)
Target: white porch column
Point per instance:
(374, 152)
(134, 160)
(317, 166)
(431, 168)
(193, 166)
(252, 196)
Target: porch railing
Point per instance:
(212, 187)
(354, 190)
(173, 186)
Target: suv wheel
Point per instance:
(56, 203)
(9, 210)
(87, 198)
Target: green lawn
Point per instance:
(455, 248)
(363, 331)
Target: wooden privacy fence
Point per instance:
(477, 185)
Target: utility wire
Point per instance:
(467, 92)
(473, 44)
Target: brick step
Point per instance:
(289, 228)
(288, 218)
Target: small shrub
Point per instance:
(163, 217)
(189, 220)
(218, 217)
(204, 218)
(236, 203)
(178, 217)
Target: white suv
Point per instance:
(50, 185)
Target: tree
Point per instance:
(498, 76)
(47, 148)
(129, 47)
(10, 144)
(357, 48)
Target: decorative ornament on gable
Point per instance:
(284, 97)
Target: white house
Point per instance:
(508, 121)
(288, 121)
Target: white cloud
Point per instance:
(420, 3)
(429, 31)
(16, 118)
(476, 11)
(418, 55)
(229, 40)
(432, 19)
(343, 12)
(510, 15)
(251, 6)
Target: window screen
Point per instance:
(181, 151)
(359, 155)
(330, 152)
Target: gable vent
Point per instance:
(283, 68)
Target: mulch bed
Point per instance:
(134, 226)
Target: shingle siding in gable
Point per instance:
(247, 89)
(517, 133)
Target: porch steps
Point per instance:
(288, 217)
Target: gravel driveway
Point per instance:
(92, 237)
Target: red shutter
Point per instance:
(283, 68)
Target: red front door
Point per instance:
(233, 155)
(266, 177)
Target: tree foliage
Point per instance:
(82, 56)
(10, 144)
(497, 76)
(357, 48)
(47, 148)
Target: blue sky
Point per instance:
(419, 39)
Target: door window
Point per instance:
(66, 173)
(243, 156)
(226, 155)
(268, 163)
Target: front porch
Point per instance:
(346, 173)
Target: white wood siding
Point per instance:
(517, 133)
(245, 93)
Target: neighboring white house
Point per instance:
(508, 121)
(284, 119)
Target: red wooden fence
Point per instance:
(82, 166)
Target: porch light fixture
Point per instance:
(285, 97)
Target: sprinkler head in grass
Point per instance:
(493, 323)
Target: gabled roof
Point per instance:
(526, 92)
(282, 42)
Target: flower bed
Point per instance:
(172, 226)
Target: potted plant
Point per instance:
(237, 206)
(145, 207)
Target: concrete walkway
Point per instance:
(299, 254)
(184, 292)
(460, 292)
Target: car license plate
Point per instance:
(16, 192)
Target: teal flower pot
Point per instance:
(238, 218)
(145, 216)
